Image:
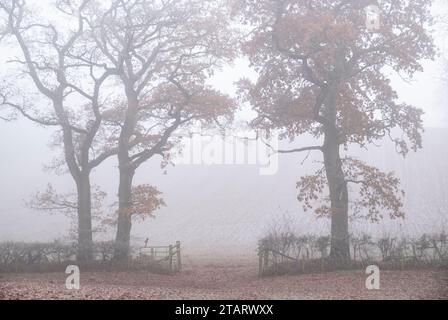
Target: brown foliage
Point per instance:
(145, 200)
(310, 52)
(378, 193)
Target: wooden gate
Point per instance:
(270, 261)
(166, 257)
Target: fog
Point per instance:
(229, 207)
(226, 206)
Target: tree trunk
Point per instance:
(340, 245)
(127, 171)
(85, 242)
(123, 237)
(340, 242)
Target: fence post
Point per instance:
(179, 263)
(171, 257)
(265, 259)
(260, 261)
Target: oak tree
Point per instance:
(54, 58)
(323, 72)
(164, 51)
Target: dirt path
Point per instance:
(226, 282)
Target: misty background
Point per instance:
(229, 207)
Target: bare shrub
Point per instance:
(287, 252)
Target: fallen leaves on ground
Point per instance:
(226, 282)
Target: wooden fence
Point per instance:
(270, 260)
(166, 257)
(304, 256)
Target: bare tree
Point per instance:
(53, 202)
(55, 61)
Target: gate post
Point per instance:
(262, 259)
(171, 258)
(179, 263)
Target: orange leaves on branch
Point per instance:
(302, 49)
(378, 193)
(323, 72)
(145, 200)
(311, 189)
(193, 101)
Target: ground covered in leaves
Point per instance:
(226, 281)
